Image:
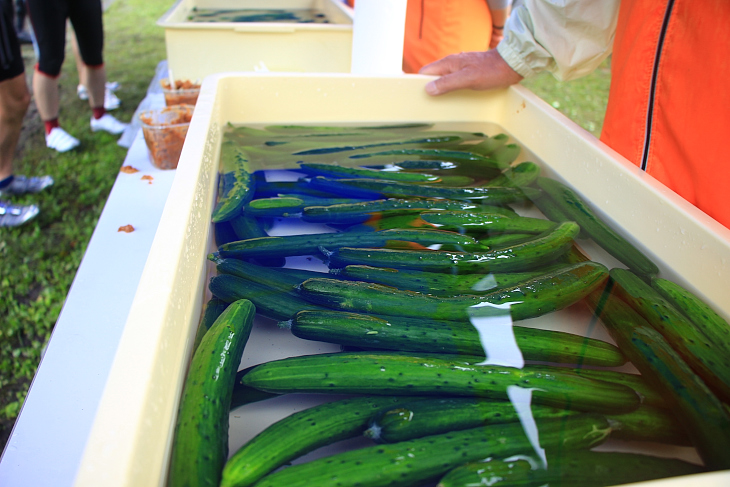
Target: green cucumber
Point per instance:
(424, 139)
(482, 223)
(436, 283)
(223, 233)
(432, 336)
(424, 460)
(576, 209)
(523, 174)
(272, 189)
(543, 249)
(213, 309)
(245, 227)
(489, 145)
(391, 373)
(235, 186)
(700, 313)
(359, 212)
(698, 410)
(432, 154)
(287, 206)
(707, 359)
(486, 195)
(649, 423)
(433, 416)
(568, 469)
(200, 445)
(300, 433)
(282, 279)
(535, 297)
(337, 171)
(243, 395)
(500, 240)
(647, 392)
(506, 155)
(311, 244)
(271, 303)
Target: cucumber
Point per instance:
(223, 233)
(423, 460)
(432, 154)
(699, 313)
(431, 336)
(500, 240)
(310, 244)
(301, 433)
(213, 309)
(705, 357)
(648, 393)
(245, 227)
(577, 210)
(506, 155)
(200, 445)
(337, 171)
(284, 280)
(243, 395)
(483, 223)
(390, 373)
(288, 206)
(425, 139)
(483, 194)
(648, 423)
(568, 469)
(235, 186)
(488, 146)
(433, 416)
(523, 174)
(436, 283)
(538, 296)
(360, 211)
(272, 189)
(541, 250)
(273, 304)
(697, 409)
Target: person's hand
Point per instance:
(470, 70)
(497, 36)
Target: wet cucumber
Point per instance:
(484, 222)
(698, 410)
(425, 335)
(535, 297)
(245, 227)
(337, 171)
(282, 279)
(310, 244)
(649, 423)
(568, 469)
(287, 206)
(359, 212)
(541, 250)
(523, 174)
(424, 460)
(213, 309)
(577, 210)
(703, 316)
(487, 195)
(436, 283)
(300, 433)
(235, 185)
(390, 373)
(200, 445)
(706, 358)
(269, 302)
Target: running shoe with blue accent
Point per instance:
(15, 215)
(22, 185)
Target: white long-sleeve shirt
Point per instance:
(568, 38)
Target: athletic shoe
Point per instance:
(14, 215)
(22, 185)
(111, 101)
(61, 140)
(107, 123)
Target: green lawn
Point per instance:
(38, 261)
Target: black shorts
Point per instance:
(11, 60)
(48, 18)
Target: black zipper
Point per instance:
(652, 91)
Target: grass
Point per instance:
(38, 261)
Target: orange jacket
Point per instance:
(669, 102)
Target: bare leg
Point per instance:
(94, 78)
(14, 101)
(45, 91)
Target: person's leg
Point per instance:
(14, 101)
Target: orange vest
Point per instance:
(669, 102)
(437, 28)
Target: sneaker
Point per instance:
(61, 140)
(14, 215)
(111, 101)
(22, 185)
(108, 123)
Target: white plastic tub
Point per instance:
(131, 437)
(196, 50)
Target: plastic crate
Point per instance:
(196, 49)
(130, 441)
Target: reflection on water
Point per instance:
(521, 399)
(493, 322)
